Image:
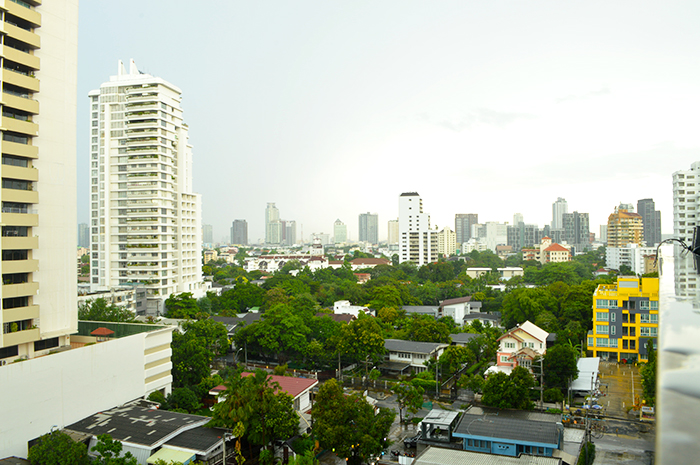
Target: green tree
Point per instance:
(509, 391)
(560, 366)
(454, 357)
(182, 400)
(99, 310)
(57, 448)
(209, 333)
(348, 424)
(191, 360)
(109, 451)
(181, 306)
(408, 397)
(266, 414)
(362, 340)
(648, 372)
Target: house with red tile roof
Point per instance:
(548, 252)
(298, 388)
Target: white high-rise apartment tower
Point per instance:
(558, 209)
(417, 242)
(39, 215)
(686, 207)
(145, 217)
(340, 232)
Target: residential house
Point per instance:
(362, 263)
(343, 307)
(409, 355)
(298, 389)
(520, 346)
(458, 308)
(548, 252)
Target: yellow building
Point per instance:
(625, 317)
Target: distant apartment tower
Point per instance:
(558, 209)
(289, 232)
(417, 242)
(39, 291)
(603, 233)
(624, 227)
(273, 226)
(577, 230)
(340, 232)
(369, 228)
(652, 221)
(239, 232)
(463, 226)
(524, 235)
(518, 218)
(207, 234)
(142, 197)
(83, 235)
(686, 205)
(393, 232)
(447, 242)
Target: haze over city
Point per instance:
(331, 110)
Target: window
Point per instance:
(510, 345)
(653, 305)
(601, 329)
(504, 358)
(613, 317)
(590, 342)
(612, 330)
(650, 318)
(46, 344)
(15, 231)
(15, 161)
(601, 316)
(602, 342)
(613, 343)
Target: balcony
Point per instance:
(16, 195)
(17, 243)
(21, 103)
(28, 37)
(21, 337)
(19, 290)
(17, 125)
(20, 80)
(20, 266)
(21, 11)
(22, 150)
(20, 313)
(19, 172)
(18, 56)
(19, 219)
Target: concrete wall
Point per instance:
(62, 388)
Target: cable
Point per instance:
(680, 242)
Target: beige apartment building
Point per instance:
(39, 78)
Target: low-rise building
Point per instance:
(510, 272)
(132, 298)
(273, 263)
(626, 318)
(548, 252)
(632, 255)
(520, 346)
(362, 263)
(476, 272)
(458, 308)
(299, 389)
(150, 434)
(344, 307)
(410, 355)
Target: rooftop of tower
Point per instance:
(409, 194)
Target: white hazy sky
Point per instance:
(332, 109)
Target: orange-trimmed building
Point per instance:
(548, 252)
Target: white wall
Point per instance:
(65, 387)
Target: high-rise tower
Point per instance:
(146, 217)
(340, 232)
(652, 221)
(624, 227)
(369, 228)
(558, 209)
(417, 242)
(239, 232)
(463, 226)
(39, 290)
(273, 226)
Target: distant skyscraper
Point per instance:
(463, 226)
(273, 227)
(83, 235)
(517, 219)
(603, 233)
(340, 232)
(558, 209)
(289, 232)
(417, 242)
(652, 221)
(207, 234)
(143, 237)
(524, 235)
(393, 233)
(239, 232)
(624, 227)
(369, 228)
(577, 231)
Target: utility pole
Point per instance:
(541, 383)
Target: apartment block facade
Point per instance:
(624, 227)
(463, 226)
(145, 217)
(625, 318)
(417, 242)
(39, 215)
(447, 242)
(239, 232)
(368, 227)
(651, 218)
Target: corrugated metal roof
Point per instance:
(399, 345)
(440, 456)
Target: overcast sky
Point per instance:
(332, 109)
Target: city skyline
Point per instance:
(593, 117)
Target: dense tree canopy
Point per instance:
(57, 448)
(509, 391)
(99, 310)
